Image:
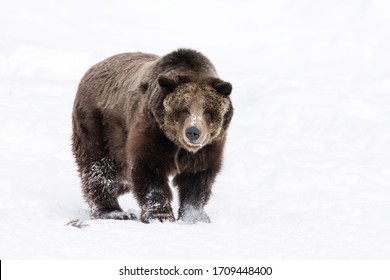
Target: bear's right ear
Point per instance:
(167, 83)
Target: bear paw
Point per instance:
(163, 215)
(192, 215)
(114, 215)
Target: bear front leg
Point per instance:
(194, 193)
(151, 189)
(101, 191)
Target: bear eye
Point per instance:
(209, 115)
(183, 114)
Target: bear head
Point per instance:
(195, 112)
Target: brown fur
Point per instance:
(139, 118)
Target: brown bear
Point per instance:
(138, 119)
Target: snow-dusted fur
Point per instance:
(140, 118)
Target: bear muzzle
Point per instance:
(193, 134)
(194, 138)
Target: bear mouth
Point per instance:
(195, 144)
(191, 146)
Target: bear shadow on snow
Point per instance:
(138, 119)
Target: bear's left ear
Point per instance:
(167, 83)
(222, 87)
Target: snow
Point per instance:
(195, 119)
(307, 163)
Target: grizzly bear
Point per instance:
(139, 119)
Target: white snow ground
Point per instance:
(307, 164)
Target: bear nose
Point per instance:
(192, 133)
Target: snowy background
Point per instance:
(307, 164)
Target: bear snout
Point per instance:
(193, 134)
